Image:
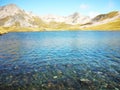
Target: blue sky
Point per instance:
(66, 7)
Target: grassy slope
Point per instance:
(106, 16)
(115, 25)
(61, 26)
(111, 15)
(4, 30)
(53, 26)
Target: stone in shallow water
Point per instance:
(59, 72)
(74, 72)
(116, 88)
(84, 80)
(35, 70)
(55, 77)
(16, 67)
(99, 72)
(33, 89)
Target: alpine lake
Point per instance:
(61, 60)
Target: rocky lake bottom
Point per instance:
(67, 60)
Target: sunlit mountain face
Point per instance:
(13, 18)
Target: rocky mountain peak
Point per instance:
(76, 14)
(77, 18)
(9, 10)
(11, 5)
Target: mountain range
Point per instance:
(14, 19)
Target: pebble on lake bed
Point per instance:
(84, 80)
(55, 77)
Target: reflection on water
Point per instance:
(73, 60)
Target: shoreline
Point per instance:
(62, 31)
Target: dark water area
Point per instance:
(69, 60)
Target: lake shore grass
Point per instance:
(104, 27)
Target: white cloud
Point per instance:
(92, 14)
(84, 6)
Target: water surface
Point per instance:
(74, 60)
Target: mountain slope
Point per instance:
(12, 15)
(102, 20)
(113, 25)
(102, 17)
(13, 19)
(75, 18)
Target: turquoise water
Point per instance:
(74, 60)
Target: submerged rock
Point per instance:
(55, 77)
(86, 84)
(84, 80)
